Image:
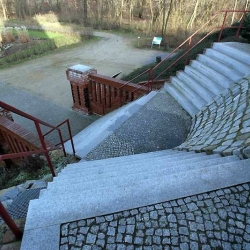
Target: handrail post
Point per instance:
(10, 222)
(241, 24)
(70, 135)
(189, 44)
(222, 27)
(62, 143)
(44, 147)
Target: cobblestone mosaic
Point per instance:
(224, 125)
(160, 124)
(214, 220)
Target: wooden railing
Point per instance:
(107, 94)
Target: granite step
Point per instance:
(203, 80)
(98, 180)
(111, 163)
(191, 95)
(239, 51)
(141, 192)
(181, 99)
(228, 60)
(202, 91)
(226, 70)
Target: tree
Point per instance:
(4, 10)
(85, 11)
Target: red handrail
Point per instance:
(151, 71)
(11, 224)
(189, 39)
(37, 123)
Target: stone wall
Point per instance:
(224, 125)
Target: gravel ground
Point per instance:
(46, 76)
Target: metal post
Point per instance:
(222, 27)
(44, 147)
(189, 44)
(241, 24)
(70, 135)
(10, 223)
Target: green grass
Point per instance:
(45, 34)
(54, 41)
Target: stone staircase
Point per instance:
(93, 188)
(106, 186)
(210, 74)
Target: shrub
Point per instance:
(11, 58)
(246, 24)
(7, 35)
(22, 54)
(22, 33)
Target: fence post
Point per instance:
(222, 26)
(79, 82)
(10, 223)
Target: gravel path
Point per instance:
(45, 76)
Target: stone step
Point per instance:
(94, 181)
(192, 96)
(204, 80)
(131, 166)
(205, 93)
(228, 60)
(91, 203)
(239, 51)
(111, 163)
(181, 99)
(229, 72)
(214, 75)
(95, 133)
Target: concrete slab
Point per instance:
(41, 238)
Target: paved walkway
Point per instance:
(46, 76)
(214, 220)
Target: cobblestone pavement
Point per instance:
(224, 125)
(160, 124)
(214, 220)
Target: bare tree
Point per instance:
(4, 10)
(193, 17)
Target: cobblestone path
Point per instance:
(214, 220)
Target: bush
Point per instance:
(22, 33)
(7, 35)
(246, 30)
(22, 54)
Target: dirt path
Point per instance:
(46, 76)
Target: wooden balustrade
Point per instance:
(107, 94)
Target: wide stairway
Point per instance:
(99, 187)
(209, 75)
(102, 187)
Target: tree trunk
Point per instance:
(4, 10)
(85, 11)
(191, 21)
(166, 21)
(235, 6)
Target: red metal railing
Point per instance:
(106, 100)
(44, 150)
(188, 41)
